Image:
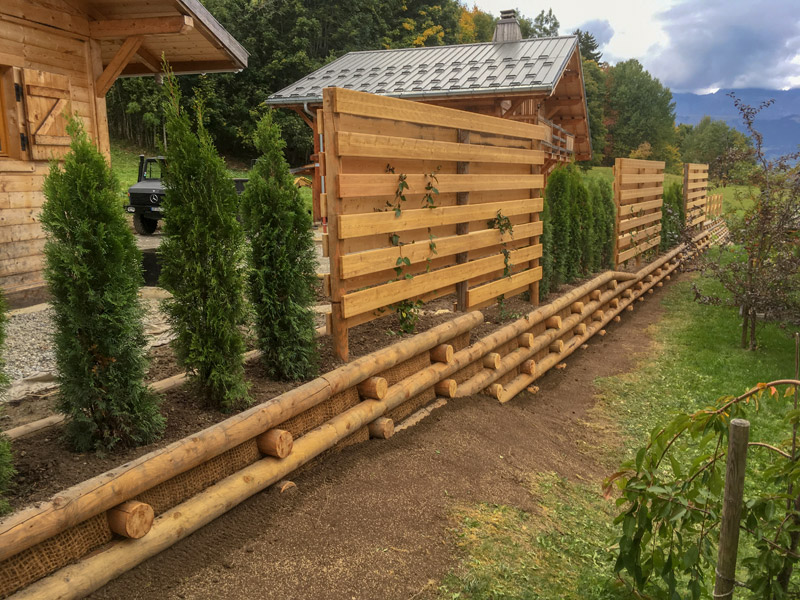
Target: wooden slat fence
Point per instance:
(638, 195)
(471, 166)
(695, 190)
(714, 206)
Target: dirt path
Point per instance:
(373, 521)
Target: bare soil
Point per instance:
(375, 520)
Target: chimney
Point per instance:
(507, 28)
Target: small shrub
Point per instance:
(604, 217)
(282, 261)
(202, 257)
(546, 261)
(93, 270)
(672, 216)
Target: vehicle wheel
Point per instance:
(143, 225)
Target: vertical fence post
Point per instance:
(617, 171)
(462, 198)
(731, 509)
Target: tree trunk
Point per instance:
(753, 329)
(745, 324)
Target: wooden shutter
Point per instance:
(47, 102)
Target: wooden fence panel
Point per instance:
(695, 192)
(459, 170)
(714, 206)
(638, 196)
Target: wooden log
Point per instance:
(528, 367)
(627, 293)
(614, 303)
(374, 388)
(598, 315)
(650, 291)
(580, 329)
(601, 333)
(495, 390)
(640, 298)
(668, 277)
(275, 442)
(89, 498)
(553, 322)
(629, 308)
(595, 295)
(557, 346)
(612, 285)
(381, 428)
(492, 360)
(525, 340)
(617, 319)
(446, 388)
(442, 353)
(639, 285)
(131, 519)
(577, 307)
(660, 284)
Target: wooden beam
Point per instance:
(125, 28)
(183, 68)
(306, 119)
(150, 60)
(112, 71)
(514, 106)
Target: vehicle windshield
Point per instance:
(153, 169)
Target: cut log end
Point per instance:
(528, 367)
(595, 295)
(533, 389)
(553, 322)
(446, 388)
(601, 333)
(492, 360)
(617, 319)
(381, 428)
(526, 340)
(577, 307)
(495, 390)
(598, 315)
(580, 329)
(442, 353)
(373, 388)
(660, 284)
(131, 519)
(275, 442)
(629, 307)
(557, 346)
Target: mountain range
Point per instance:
(779, 123)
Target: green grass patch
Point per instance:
(563, 551)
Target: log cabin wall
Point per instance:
(48, 65)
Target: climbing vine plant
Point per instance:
(503, 224)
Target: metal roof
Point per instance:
(439, 71)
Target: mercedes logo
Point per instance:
(153, 198)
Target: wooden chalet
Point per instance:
(537, 81)
(64, 55)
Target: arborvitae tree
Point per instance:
(582, 226)
(672, 220)
(282, 260)
(604, 214)
(557, 197)
(202, 257)
(93, 270)
(6, 462)
(547, 251)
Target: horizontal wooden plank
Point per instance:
(19, 216)
(697, 194)
(639, 221)
(351, 226)
(396, 291)
(380, 107)
(636, 250)
(8, 165)
(492, 290)
(370, 184)
(693, 167)
(697, 185)
(369, 145)
(362, 263)
(625, 195)
(699, 203)
(22, 264)
(20, 249)
(377, 314)
(646, 178)
(641, 164)
(633, 209)
(21, 233)
(635, 237)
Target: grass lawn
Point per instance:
(564, 551)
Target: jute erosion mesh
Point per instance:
(322, 412)
(504, 350)
(399, 373)
(50, 555)
(185, 485)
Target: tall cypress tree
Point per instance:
(202, 257)
(93, 269)
(282, 260)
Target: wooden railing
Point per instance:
(411, 193)
(638, 196)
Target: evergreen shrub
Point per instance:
(93, 270)
(202, 257)
(282, 261)
(672, 216)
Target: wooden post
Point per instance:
(685, 191)
(462, 198)
(731, 509)
(533, 289)
(381, 428)
(131, 519)
(275, 442)
(374, 388)
(617, 171)
(338, 329)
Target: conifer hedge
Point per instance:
(672, 216)
(93, 270)
(202, 257)
(578, 235)
(282, 261)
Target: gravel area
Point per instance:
(29, 348)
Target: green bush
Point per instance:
(546, 261)
(202, 258)
(672, 216)
(282, 260)
(604, 216)
(562, 251)
(93, 270)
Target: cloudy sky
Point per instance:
(691, 46)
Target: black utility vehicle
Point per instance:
(146, 195)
